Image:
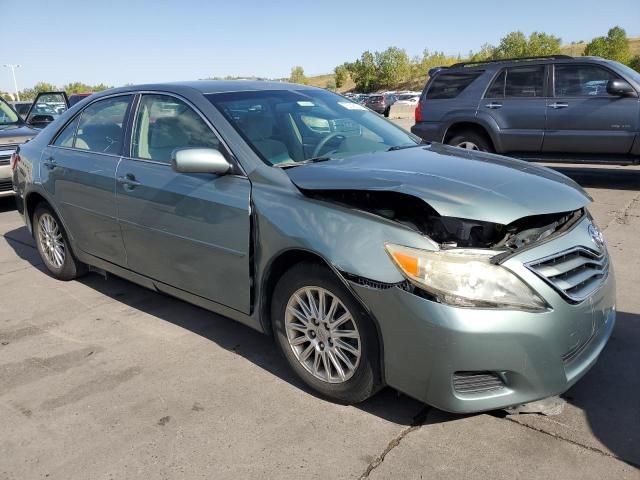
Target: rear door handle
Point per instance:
(493, 105)
(50, 162)
(129, 181)
(557, 105)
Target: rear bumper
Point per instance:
(428, 131)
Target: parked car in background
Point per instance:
(78, 97)
(22, 108)
(16, 129)
(13, 132)
(380, 103)
(464, 280)
(541, 108)
(408, 98)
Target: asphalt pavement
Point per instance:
(100, 378)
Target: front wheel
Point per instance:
(325, 335)
(53, 245)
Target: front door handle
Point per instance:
(557, 105)
(50, 162)
(493, 105)
(129, 181)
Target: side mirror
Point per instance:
(620, 88)
(199, 160)
(40, 121)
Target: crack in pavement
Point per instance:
(418, 421)
(620, 216)
(573, 442)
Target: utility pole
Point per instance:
(13, 73)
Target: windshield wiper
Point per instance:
(293, 163)
(402, 147)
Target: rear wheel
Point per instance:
(387, 111)
(53, 245)
(325, 335)
(470, 140)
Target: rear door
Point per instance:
(187, 230)
(583, 118)
(79, 168)
(516, 101)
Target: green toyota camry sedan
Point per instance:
(466, 280)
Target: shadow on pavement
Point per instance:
(599, 177)
(7, 204)
(609, 394)
(226, 333)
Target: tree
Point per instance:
(297, 75)
(635, 63)
(364, 72)
(516, 44)
(392, 67)
(614, 46)
(342, 74)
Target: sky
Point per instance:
(119, 42)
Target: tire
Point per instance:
(355, 384)
(387, 111)
(53, 245)
(468, 138)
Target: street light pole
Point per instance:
(13, 73)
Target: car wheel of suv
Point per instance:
(53, 245)
(387, 111)
(470, 141)
(325, 335)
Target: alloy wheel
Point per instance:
(468, 145)
(51, 241)
(323, 334)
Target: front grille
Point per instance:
(5, 153)
(575, 273)
(6, 185)
(476, 382)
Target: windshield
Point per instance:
(286, 127)
(8, 116)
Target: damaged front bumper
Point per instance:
(470, 359)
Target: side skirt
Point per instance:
(151, 284)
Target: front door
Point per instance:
(190, 231)
(79, 171)
(515, 101)
(583, 118)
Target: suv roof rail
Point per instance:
(515, 59)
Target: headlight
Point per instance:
(465, 278)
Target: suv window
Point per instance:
(101, 125)
(165, 123)
(581, 81)
(450, 85)
(524, 81)
(518, 82)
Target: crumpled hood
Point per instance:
(16, 134)
(454, 182)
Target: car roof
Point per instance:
(510, 62)
(217, 86)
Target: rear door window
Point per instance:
(450, 85)
(66, 137)
(524, 81)
(101, 125)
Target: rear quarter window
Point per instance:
(450, 85)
